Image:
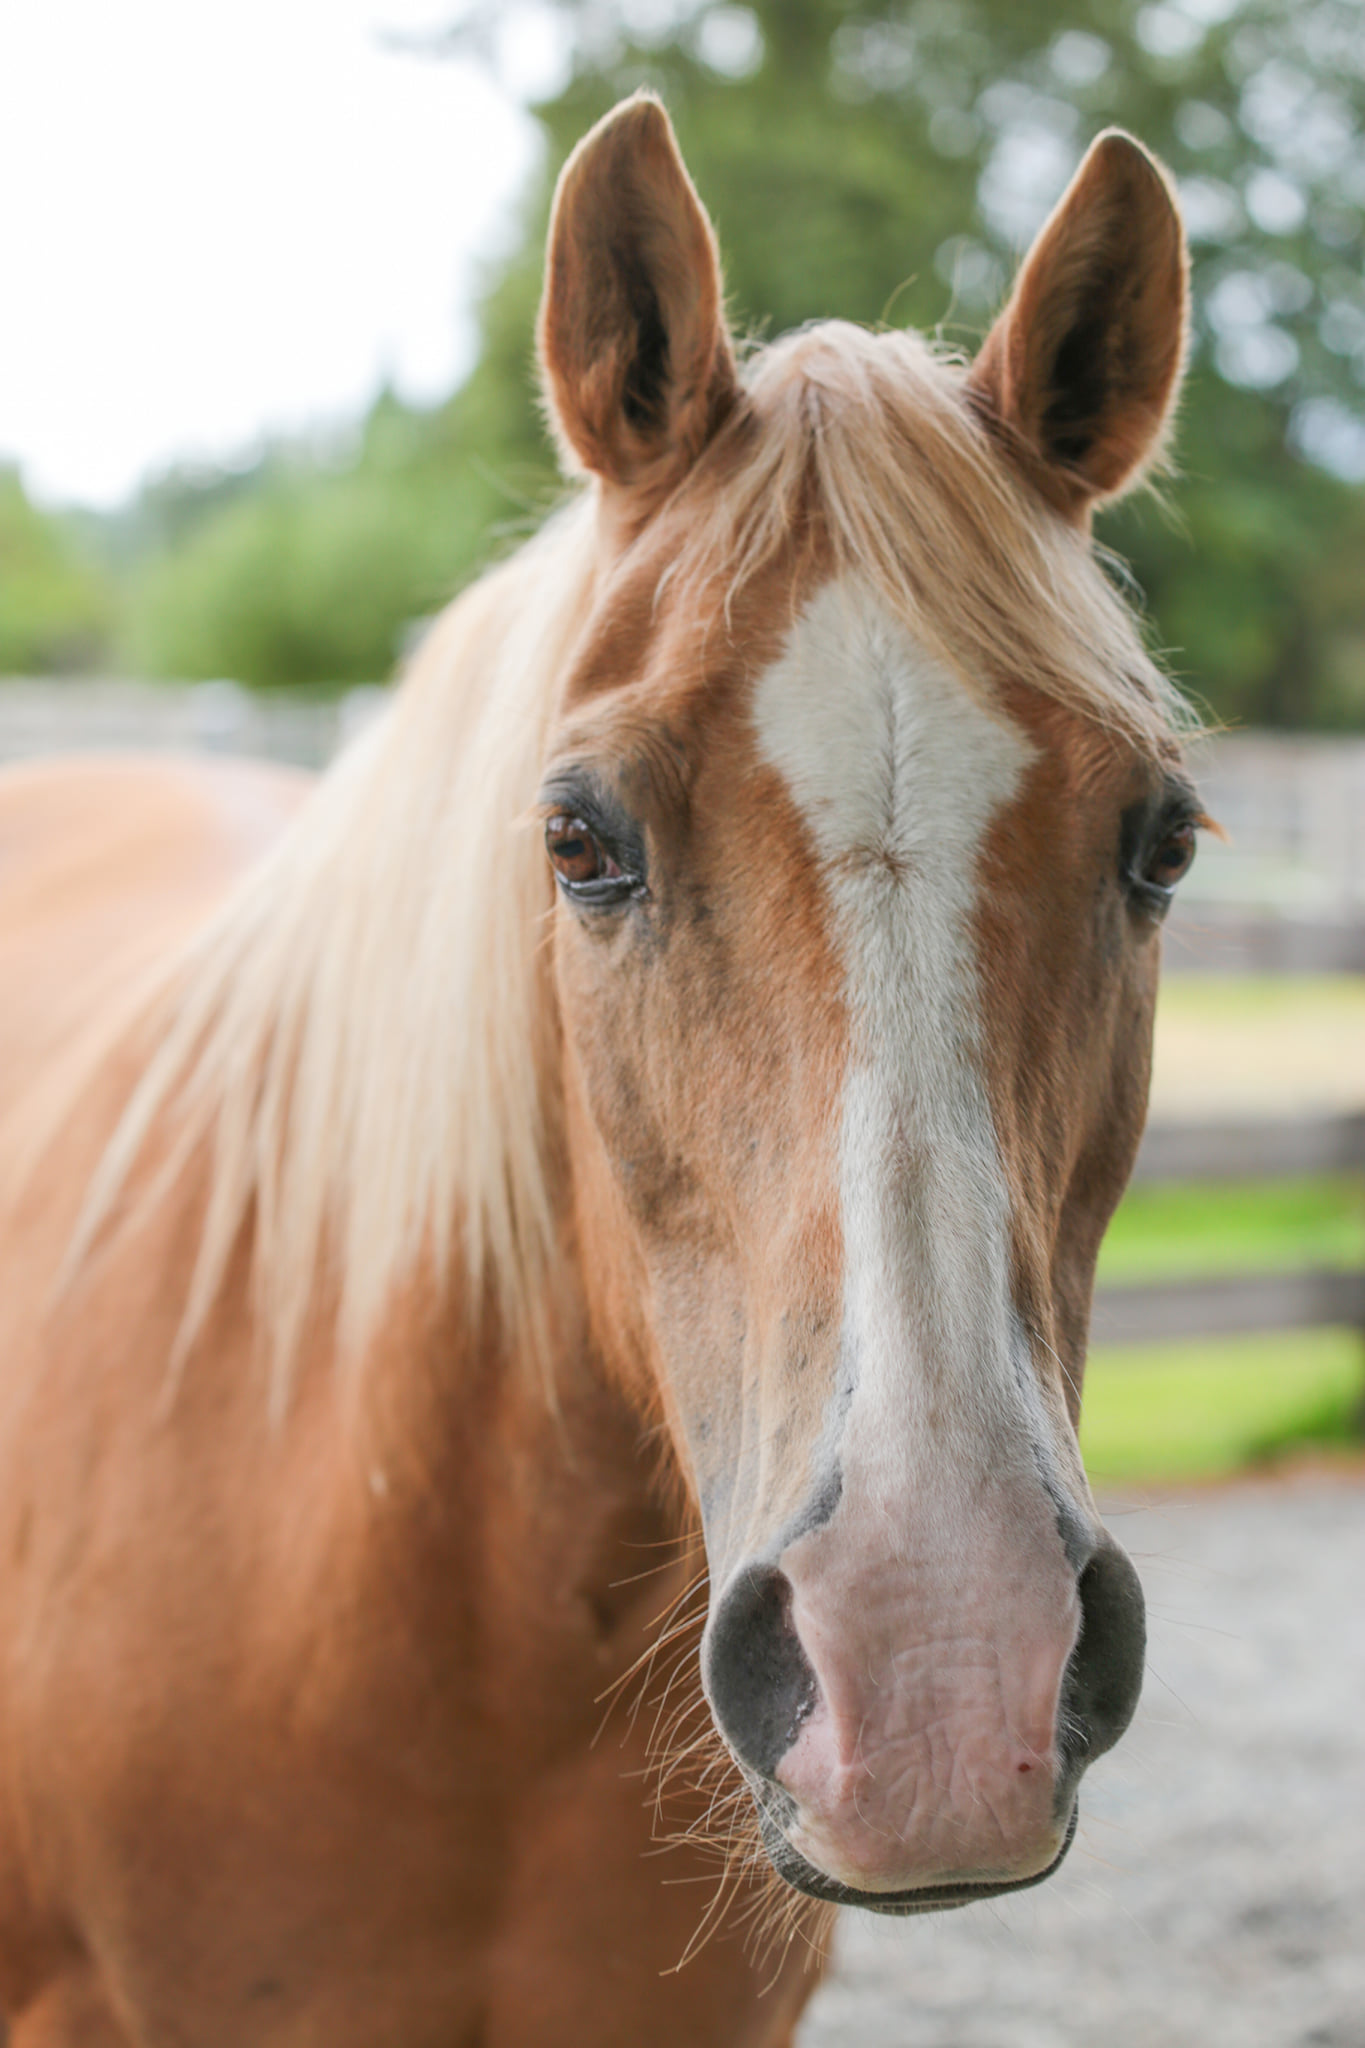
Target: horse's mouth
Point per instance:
(792, 1866)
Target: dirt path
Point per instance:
(1216, 1894)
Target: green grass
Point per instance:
(1183, 1411)
(1229, 1045)
(1186, 1411)
(1175, 1232)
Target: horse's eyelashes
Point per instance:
(1156, 853)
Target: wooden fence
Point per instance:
(1236, 1303)
(1293, 808)
(1204, 938)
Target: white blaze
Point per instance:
(899, 770)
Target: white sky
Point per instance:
(221, 217)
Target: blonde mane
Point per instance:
(364, 1035)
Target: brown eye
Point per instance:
(1172, 858)
(575, 853)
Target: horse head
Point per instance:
(864, 805)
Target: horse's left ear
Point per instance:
(636, 360)
(1083, 365)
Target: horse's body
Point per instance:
(390, 1302)
(301, 1720)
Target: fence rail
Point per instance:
(1230, 1307)
(1235, 1304)
(1260, 1149)
(1203, 938)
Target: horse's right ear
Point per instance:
(636, 360)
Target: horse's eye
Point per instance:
(575, 854)
(1171, 858)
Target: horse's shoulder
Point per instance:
(107, 866)
(106, 861)
(115, 821)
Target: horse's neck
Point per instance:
(542, 1500)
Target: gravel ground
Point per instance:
(1215, 1897)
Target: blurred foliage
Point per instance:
(309, 573)
(55, 604)
(889, 162)
(893, 162)
(315, 565)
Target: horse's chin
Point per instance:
(803, 1876)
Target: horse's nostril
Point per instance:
(1105, 1676)
(760, 1686)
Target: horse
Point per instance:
(546, 1273)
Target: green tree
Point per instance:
(314, 569)
(891, 162)
(55, 606)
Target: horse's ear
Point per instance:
(634, 353)
(1083, 365)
